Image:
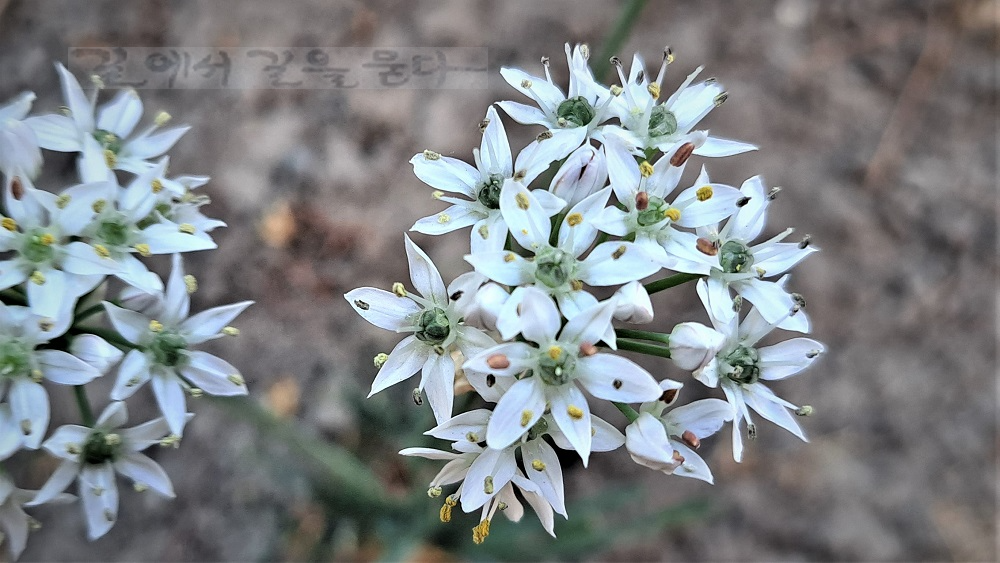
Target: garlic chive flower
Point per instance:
(437, 327)
(163, 336)
(741, 369)
(549, 374)
(92, 456)
(19, 154)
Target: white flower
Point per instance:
(14, 523)
(650, 124)
(107, 142)
(740, 369)
(23, 367)
(643, 189)
(93, 455)
(39, 229)
(562, 362)
(19, 154)
(730, 260)
(558, 270)
(163, 336)
(693, 345)
(434, 320)
(482, 185)
(632, 304)
(668, 442)
(571, 119)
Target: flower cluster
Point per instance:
(597, 200)
(64, 250)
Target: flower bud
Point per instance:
(632, 304)
(584, 172)
(488, 301)
(693, 345)
(95, 351)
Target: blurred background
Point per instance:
(878, 119)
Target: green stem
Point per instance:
(628, 411)
(89, 312)
(83, 404)
(670, 281)
(623, 27)
(643, 335)
(10, 296)
(643, 348)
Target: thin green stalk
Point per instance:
(644, 348)
(619, 34)
(89, 312)
(643, 335)
(628, 411)
(86, 415)
(670, 281)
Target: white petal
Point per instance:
(538, 503)
(749, 220)
(29, 404)
(617, 262)
(113, 416)
(569, 399)
(176, 301)
(79, 106)
(209, 324)
(487, 475)
(523, 402)
(518, 354)
(540, 320)
(606, 437)
(694, 466)
(64, 368)
(99, 496)
(788, 358)
(502, 266)
(549, 478)
(615, 378)
(438, 380)
(647, 443)
(153, 145)
(760, 399)
(144, 471)
(57, 483)
(55, 132)
(170, 398)
(462, 425)
(778, 258)
(133, 326)
(451, 219)
(95, 351)
(494, 150)
(577, 235)
(717, 147)
(771, 300)
(590, 325)
(703, 417)
(65, 438)
(522, 113)
(121, 114)
(132, 374)
(525, 217)
(49, 298)
(424, 274)
(213, 375)
(446, 173)
(428, 453)
(382, 308)
(405, 359)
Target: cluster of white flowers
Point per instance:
(60, 247)
(524, 331)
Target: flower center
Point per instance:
(662, 122)
(108, 140)
(735, 257)
(489, 192)
(576, 111)
(168, 348)
(653, 213)
(553, 269)
(744, 362)
(15, 358)
(38, 247)
(556, 368)
(434, 326)
(113, 231)
(101, 447)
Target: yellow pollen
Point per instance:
(380, 360)
(488, 485)
(522, 201)
(196, 392)
(526, 84)
(616, 90)
(480, 532)
(524, 231)
(38, 278)
(673, 213)
(37, 375)
(574, 219)
(73, 449)
(654, 90)
(9, 224)
(704, 192)
(190, 283)
(156, 185)
(431, 155)
(98, 205)
(236, 379)
(484, 232)
(110, 159)
(112, 439)
(171, 440)
(186, 228)
(436, 194)
(140, 487)
(449, 502)
(543, 136)
(574, 412)
(398, 290)
(143, 249)
(155, 326)
(434, 492)
(538, 465)
(472, 437)
(619, 252)
(509, 257)
(443, 218)
(62, 201)
(519, 175)
(555, 352)
(576, 285)
(230, 331)
(47, 239)
(161, 119)
(646, 169)
(526, 417)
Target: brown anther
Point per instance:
(640, 77)
(491, 380)
(668, 396)
(498, 361)
(690, 439)
(706, 247)
(456, 296)
(617, 384)
(641, 201)
(16, 188)
(677, 457)
(682, 155)
(587, 349)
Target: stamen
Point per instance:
(143, 250)
(526, 417)
(16, 188)
(522, 201)
(434, 492)
(155, 326)
(689, 438)
(398, 290)
(668, 396)
(380, 359)
(480, 532)
(574, 219)
(431, 155)
(555, 352)
(587, 349)
(682, 155)
(498, 361)
(161, 119)
(707, 247)
(720, 99)
(742, 201)
(804, 410)
(230, 331)
(236, 379)
(186, 228)
(9, 224)
(574, 412)
(418, 398)
(641, 201)
(538, 465)
(38, 278)
(704, 193)
(773, 193)
(645, 169)
(619, 252)
(672, 213)
(445, 514)
(806, 240)
(62, 201)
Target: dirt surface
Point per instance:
(878, 118)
